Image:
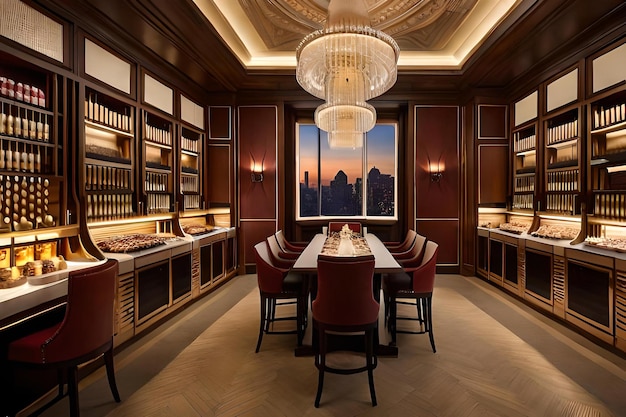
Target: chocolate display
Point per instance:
(131, 243)
(196, 229)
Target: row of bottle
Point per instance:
(98, 177)
(610, 205)
(523, 201)
(22, 92)
(101, 114)
(525, 184)
(109, 206)
(158, 135)
(24, 158)
(189, 145)
(191, 202)
(524, 143)
(158, 203)
(156, 181)
(563, 132)
(562, 203)
(28, 125)
(610, 115)
(563, 180)
(189, 184)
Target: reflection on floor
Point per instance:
(495, 357)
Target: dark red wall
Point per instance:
(257, 129)
(437, 203)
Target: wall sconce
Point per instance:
(435, 174)
(436, 170)
(256, 170)
(256, 176)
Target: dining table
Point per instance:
(384, 263)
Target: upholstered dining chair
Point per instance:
(412, 256)
(84, 334)
(345, 303)
(286, 246)
(337, 226)
(277, 283)
(416, 283)
(279, 258)
(403, 246)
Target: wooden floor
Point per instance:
(495, 357)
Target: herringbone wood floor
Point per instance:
(495, 357)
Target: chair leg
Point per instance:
(393, 312)
(72, 383)
(262, 324)
(429, 321)
(300, 319)
(420, 306)
(369, 357)
(108, 361)
(320, 359)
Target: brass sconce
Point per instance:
(435, 170)
(256, 170)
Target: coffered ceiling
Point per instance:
(433, 34)
(248, 46)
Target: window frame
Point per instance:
(364, 162)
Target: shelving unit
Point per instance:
(191, 151)
(525, 165)
(607, 147)
(36, 208)
(109, 157)
(562, 158)
(158, 163)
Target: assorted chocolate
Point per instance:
(132, 243)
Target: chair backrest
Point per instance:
(336, 227)
(407, 243)
(345, 294)
(276, 253)
(269, 276)
(280, 239)
(412, 257)
(424, 275)
(88, 322)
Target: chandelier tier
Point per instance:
(347, 63)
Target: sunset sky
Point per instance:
(381, 154)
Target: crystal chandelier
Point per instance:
(346, 63)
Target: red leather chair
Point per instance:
(412, 256)
(345, 303)
(279, 258)
(277, 283)
(416, 283)
(85, 333)
(336, 227)
(287, 246)
(403, 246)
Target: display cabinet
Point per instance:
(607, 165)
(190, 172)
(562, 162)
(525, 167)
(109, 160)
(158, 163)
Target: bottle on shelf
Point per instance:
(10, 122)
(3, 121)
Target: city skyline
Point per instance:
(381, 151)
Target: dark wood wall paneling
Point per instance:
(258, 134)
(437, 142)
(220, 161)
